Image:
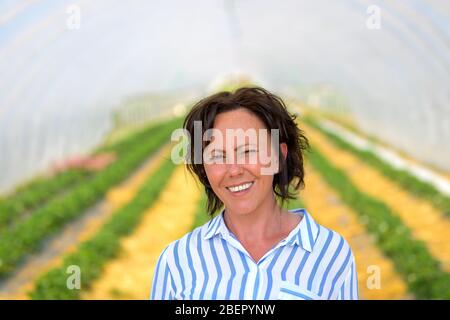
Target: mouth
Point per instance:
(241, 188)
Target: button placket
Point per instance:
(251, 280)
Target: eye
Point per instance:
(247, 153)
(216, 156)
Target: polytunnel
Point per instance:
(74, 73)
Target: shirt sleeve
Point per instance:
(162, 288)
(349, 289)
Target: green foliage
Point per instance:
(421, 271)
(36, 194)
(92, 255)
(135, 139)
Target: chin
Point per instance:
(242, 209)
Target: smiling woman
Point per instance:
(253, 249)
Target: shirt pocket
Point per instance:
(290, 291)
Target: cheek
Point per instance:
(215, 174)
(265, 181)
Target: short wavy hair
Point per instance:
(272, 111)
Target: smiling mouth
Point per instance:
(241, 187)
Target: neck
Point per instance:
(265, 222)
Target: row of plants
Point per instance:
(403, 178)
(37, 193)
(31, 196)
(26, 236)
(421, 271)
(92, 254)
(122, 146)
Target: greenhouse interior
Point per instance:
(91, 92)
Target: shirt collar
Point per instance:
(215, 226)
(304, 234)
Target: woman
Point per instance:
(253, 249)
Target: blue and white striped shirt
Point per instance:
(210, 263)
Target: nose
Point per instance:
(234, 169)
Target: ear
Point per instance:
(284, 149)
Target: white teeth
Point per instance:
(240, 187)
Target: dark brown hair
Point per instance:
(272, 111)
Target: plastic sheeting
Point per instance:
(65, 65)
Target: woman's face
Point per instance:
(235, 168)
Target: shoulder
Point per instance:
(334, 248)
(327, 238)
(322, 241)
